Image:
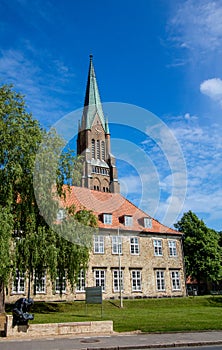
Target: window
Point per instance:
(18, 285)
(98, 149)
(136, 280)
(93, 148)
(147, 222)
(99, 244)
(40, 283)
(134, 245)
(61, 214)
(116, 281)
(158, 251)
(107, 219)
(175, 279)
(160, 281)
(116, 245)
(81, 283)
(128, 220)
(100, 278)
(172, 248)
(60, 284)
(103, 150)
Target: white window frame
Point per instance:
(148, 222)
(40, 284)
(61, 214)
(158, 247)
(18, 284)
(175, 280)
(107, 219)
(100, 278)
(116, 281)
(128, 220)
(136, 279)
(81, 283)
(172, 247)
(160, 281)
(98, 244)
(116, 245)
(57, 285)
(134, 246)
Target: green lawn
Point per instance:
(147, 315)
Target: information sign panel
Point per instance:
(94, 295)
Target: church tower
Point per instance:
(93, 142)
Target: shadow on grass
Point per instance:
(215, 301)
(112, 303)
(39, 307)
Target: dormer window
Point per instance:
(61, 214)
(147, 222)
(128, 220)
(107, 219)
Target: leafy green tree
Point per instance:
(202, 252)
(6, 227)
(20, 137)
(26, 149)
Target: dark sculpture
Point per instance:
(21, 316)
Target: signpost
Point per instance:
(94, 296)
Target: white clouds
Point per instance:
(202, 149)
(39, 77)
(213, 89)
(195, 29)
(197, 24)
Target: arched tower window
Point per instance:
(93, 148)
(98, 149)
(96, 185)
(103, 150)
(105, 186)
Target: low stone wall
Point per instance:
(75, 328)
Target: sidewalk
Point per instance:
(140, 341)
(155, 340)
(118, 341)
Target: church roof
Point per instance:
(92, 104)
(113, 203)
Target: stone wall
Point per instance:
(74, 328)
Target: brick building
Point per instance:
(131, 249)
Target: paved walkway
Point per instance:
(118, 341)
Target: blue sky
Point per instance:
(162, 56)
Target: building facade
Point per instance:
(133, 255)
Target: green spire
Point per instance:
(92, 104)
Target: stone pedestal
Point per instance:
(74, 328)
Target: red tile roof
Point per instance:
(115, 204)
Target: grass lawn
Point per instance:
(147, 315)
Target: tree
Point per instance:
(6, 227)
(202, 252)
(20, 137)
(29, 231)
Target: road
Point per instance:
(211, 347)
(118, 342)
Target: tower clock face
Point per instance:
(98, 130)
